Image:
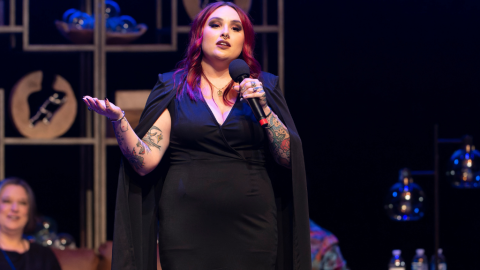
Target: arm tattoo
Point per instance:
(153, 137)
(136, 160)
(279, 140)
(121, 128)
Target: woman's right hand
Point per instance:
(103, 107)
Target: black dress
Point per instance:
(36, 258)
(217, 208)
(137, 206)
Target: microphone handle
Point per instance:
(255, 106)
(257, 111)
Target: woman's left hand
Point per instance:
(252, 88)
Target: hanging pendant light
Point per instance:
(405, 200)
(463, 167)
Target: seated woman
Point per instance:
(17, 210)
(326, 254)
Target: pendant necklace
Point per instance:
(219, 90)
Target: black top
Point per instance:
(217, 208)
(37, 257)
(136, 210)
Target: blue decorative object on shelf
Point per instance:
(64, 241)
(67, 14)
(112, 9)
(46, 231)
(126, 24)
(112, 24)
(77, 26)
(463, 167)
(81, 20)
(405, 200)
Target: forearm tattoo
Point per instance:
(136, 160)
(279, 140)
(153, 137)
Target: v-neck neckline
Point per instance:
(213, 115)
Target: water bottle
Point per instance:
(420, 261)
(442, 264)
(396, 262)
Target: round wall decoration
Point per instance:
(42, 106)
(193, 7)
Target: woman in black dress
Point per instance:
(215, 201)
(17, 212)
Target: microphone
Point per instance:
(239, 70)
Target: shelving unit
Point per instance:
(94, 205)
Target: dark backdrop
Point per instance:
(365, 81)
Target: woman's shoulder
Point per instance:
(43, 255)
(170, 77)
(268, 79)
(39, 249)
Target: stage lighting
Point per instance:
(463, 166)
(405, 200)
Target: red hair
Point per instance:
(191, 64)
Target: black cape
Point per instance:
(135, 227)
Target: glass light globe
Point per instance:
(464, 166)
(405, 200)
(45, 238)
(112, 9)
(64, 241)
(81, 20)
(126, 24)
(112, 23)
(46, 223)
(67, 14)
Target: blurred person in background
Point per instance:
(17, 212)
(326, 253)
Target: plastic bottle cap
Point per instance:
(396, 252)
(420, 251)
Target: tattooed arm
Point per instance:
(277, 132)
(145, 154)
(278, 138)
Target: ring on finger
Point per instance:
(253, 84)
(255, 89)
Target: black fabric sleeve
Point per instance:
(288, 186)
(134, 234)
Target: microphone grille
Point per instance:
(237, 68)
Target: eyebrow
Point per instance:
(220, 19)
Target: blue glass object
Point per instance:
(64, 241)
(46, 230)
(126, 24)
(67, 14)
(112, 9)
(81, 20)
(46, 223)
(405, 200)
(463, 166)
(112, 24)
